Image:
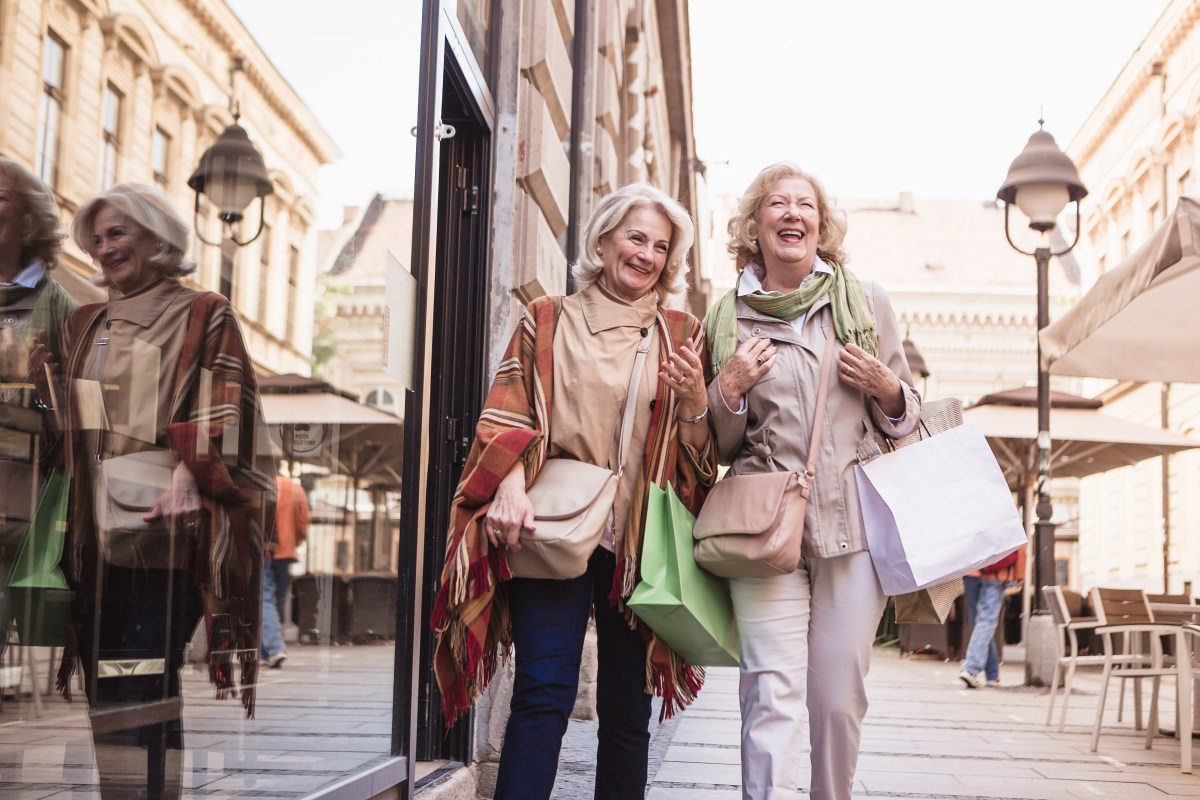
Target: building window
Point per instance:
(381, 398)
(293, 291)
(264, 274)
(111, 146)
(161, 157)
(54, 62)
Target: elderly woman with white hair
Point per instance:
(560, 393)
(171, 486)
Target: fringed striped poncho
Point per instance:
(470, 616)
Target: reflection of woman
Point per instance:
(32, 304)
(807, 634)
(559, 393)
(160, 371)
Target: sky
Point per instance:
(874, 97)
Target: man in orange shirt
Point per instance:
(292, 519)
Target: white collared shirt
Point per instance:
(29, 276)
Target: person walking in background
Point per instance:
(292, 519)
(806, 636)
(984, 597)
(560, 392)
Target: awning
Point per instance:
(1138, 322)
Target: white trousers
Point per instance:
(805, 636)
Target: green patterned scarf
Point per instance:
(852, 319)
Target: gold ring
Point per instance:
(760, 359)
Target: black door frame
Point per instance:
(441, 39)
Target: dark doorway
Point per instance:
(457, 367)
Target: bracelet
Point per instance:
(40, 406)
(696, 418)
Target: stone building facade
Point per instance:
(97, 92)
(1138, 152)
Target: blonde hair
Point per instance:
(609, 213)
(743, 233)
(151, 211)
(41, 237)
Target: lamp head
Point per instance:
(231, 173)
(1041, 181)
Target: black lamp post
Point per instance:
(232, 174)
(1041, 182)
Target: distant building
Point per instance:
(353, 261)
(1137, 153)
(97, 92)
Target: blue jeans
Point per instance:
(272, 630)
(985, 598)
(549, 620)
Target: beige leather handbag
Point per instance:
(752, 526)
(572, 502)
(127, 488)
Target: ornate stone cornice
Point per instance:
(1137, 83)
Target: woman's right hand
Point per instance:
(752, 360)
(510, 512)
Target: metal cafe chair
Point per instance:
(1127, 615)
(1070, 658)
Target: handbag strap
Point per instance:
(818, 416)
(635, 382)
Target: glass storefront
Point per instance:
(139, 475)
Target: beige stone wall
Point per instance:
(1138, 153)
(633, 138)
(170, 60)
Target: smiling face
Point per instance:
(789, 226)
(123, 250)
(634, 253)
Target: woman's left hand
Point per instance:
(860, 370)
(181, 499)
(684, 372)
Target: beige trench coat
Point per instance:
(774, 430)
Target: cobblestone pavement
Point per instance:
(926, 737)
(577, 765)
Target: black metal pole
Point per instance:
(1043, 528)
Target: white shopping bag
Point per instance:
(936, 509)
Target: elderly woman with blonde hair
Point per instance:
(807, 635)
(161, 411)
(559, 393)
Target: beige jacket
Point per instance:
(774, 429)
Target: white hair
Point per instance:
(151, 211)
(609, 213)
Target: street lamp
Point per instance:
(1041, 181)
(232, 173)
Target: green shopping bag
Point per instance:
(685, 605)
(40, 598)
